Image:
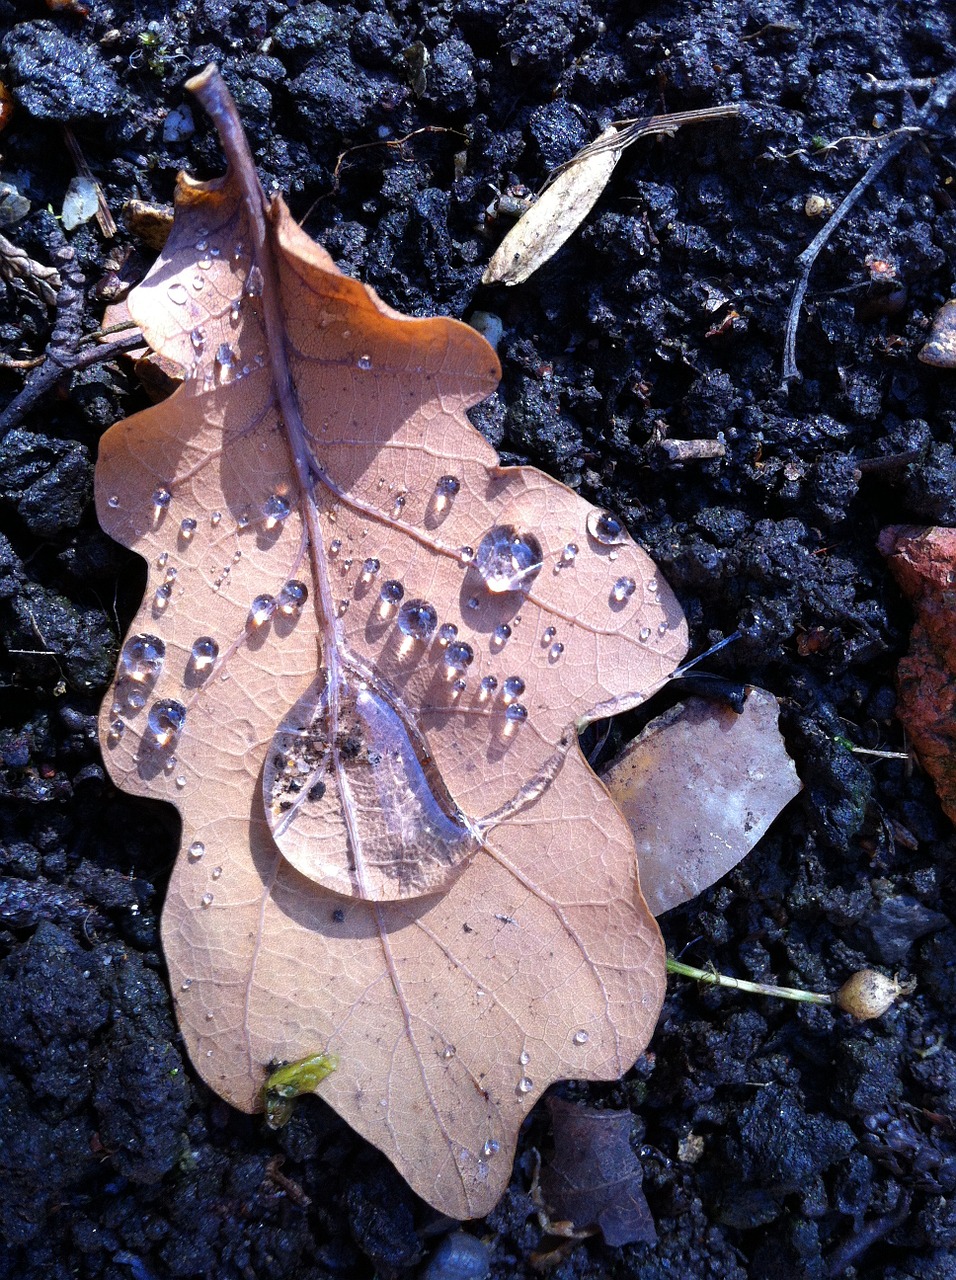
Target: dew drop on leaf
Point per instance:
(261, 610)
(568, 556)
(501, 634)
(161, 498)
(606, 528)
(370, 568)
(117, 729)
(623, 589)
(275, 509)
(224, 356)
(113, 500)
(513, 687)
(196, 850)
(487, 687)
(491, 1148)
(459, 655)
(417, 619)
(198, 340)
(447, 632)
(292, 597)
(525, 1084)
(548, 634)
(391, 592)
(254, 283)
(142, 657)
(177, 293)
(165, 722)
(206, 900)
(517, 713)
(580, 1037)
(508, 560)
(204, 653)
(187, 528)
(467, 554)
(555, 652)
(364, 362)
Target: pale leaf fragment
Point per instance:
(572, 193)
(699, 787)
(357, 671)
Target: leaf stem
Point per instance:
(716, 979)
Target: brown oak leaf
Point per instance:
(357, 672)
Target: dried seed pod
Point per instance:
(867, 994)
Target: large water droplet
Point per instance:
(623, 589)
(417, 619)
(448, 487)
(204, 653)
(525, 1084)
(142, 657)
(517, 713)
(514, 687)
(459, 656)
(292, 597)
(260, 611)
(391, 592)
(508, 560)
(165, 722)
(606, 528)
(491, 1148)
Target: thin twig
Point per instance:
(925, 118)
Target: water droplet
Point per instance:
(261, 610)
(370, 568)
(644, 633)
(514, 687)
(398, 504)
(275, 509)
(187, 528)
(508, 560)
(234, 308)
(467, 554)
(165, 721)
(292, 597)
(117, 729)
(568, 556)
(623, 589)
(651, 585)
(170, 764)
(185, 984)
(487, 687)
(501, 634)
(447, 632)
(162, 559)
(364, 362)
(548, 634)
(136, 699)
(606, 528)
(181, 781)
(245, 519)
(517, 713)
(163, 592)
(459, 656)
(161, 499)
(202, 244)
(215, 518)
(473, 602)
(335, 546)
(196, 850)
(491, 1148)
(206, 900)
(216, 872)
(525, 1084)
(142, 657)
(224, 356)
(198, 340)
(172, 574)
(448, 1051)
(459, 686)
(417, 619)
(254, 283)
(391, 592)
(204, 653)
(113, 501)
(177, 293)
(524, 1057)
(197, 283)
(580, 1037)
(662, 628)
(555, 652)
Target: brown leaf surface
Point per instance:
(377, 861)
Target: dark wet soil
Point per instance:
(776, 1140)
